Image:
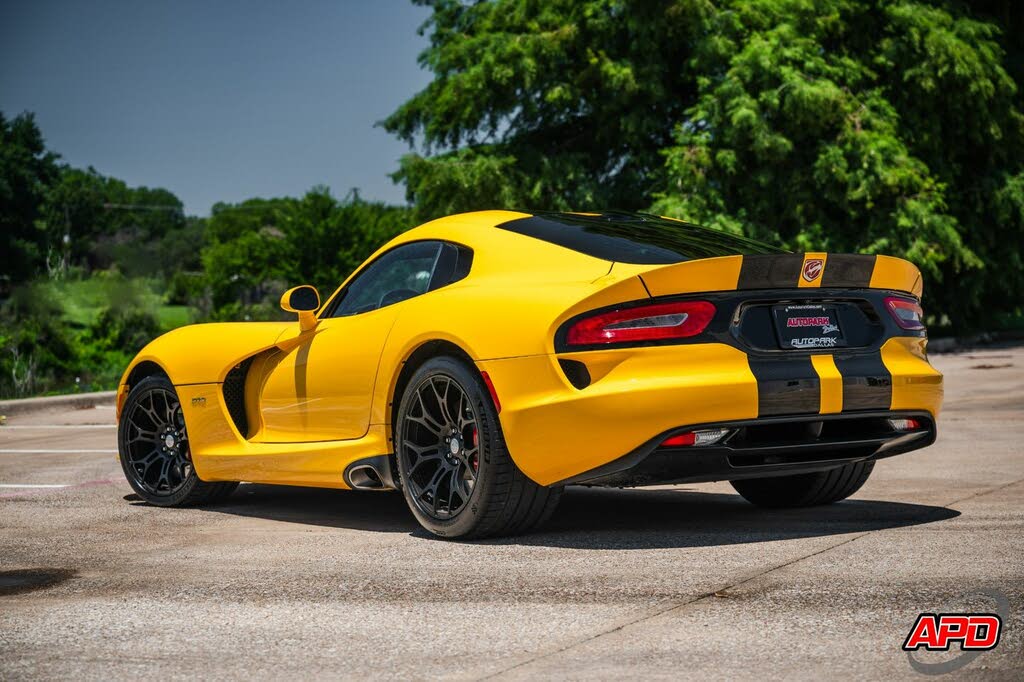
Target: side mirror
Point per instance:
(304, 300)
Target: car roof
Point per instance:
(611, 236)
(637, 238)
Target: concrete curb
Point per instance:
(57, 402)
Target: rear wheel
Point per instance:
(805, 490)
(154, 450)
(456, 473)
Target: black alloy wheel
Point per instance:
(156, 443)
(154, 448)
(454, 468)
(440, 446)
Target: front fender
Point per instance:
(205, 353)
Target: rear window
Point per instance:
(634, 237)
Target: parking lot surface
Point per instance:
(684, 581)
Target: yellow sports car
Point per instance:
(482, 362)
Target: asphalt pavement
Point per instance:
(673, 582)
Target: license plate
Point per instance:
(808, 326)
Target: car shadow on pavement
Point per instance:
(599, 518)
(602, 518)
(385, 512)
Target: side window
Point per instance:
(452, 265)
(400, 274)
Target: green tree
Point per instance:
(260, 247)
(26, 170)
(856, 126)
(846, 125)
(553, 104)
(328, 239)
(97, 222)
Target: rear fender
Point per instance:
(517, 322)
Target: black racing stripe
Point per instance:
(786, 385)
(867, 384)
(848, 270)
(770, 272)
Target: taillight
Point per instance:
(677, 320)
(701, 437)
(908, 424)
(907, 313)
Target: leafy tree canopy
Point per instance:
(844, 125)
(98, 221)
(260, 247)
(26, 170)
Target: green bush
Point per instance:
(70, 336)
(184, 288)
(119, 332)
(38, 350)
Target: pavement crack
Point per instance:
(982, 493)
(654, 613)
(716, 593)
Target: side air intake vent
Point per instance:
(576, 372)
(234, 396)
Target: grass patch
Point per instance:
(83, 300)
(173, 316)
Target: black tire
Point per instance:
(152, 445)
(486, 495)
(805, 490)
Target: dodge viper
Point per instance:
(481, 362)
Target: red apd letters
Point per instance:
(935, 632)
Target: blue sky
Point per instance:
(217, 101)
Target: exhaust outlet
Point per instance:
(365, 478)
(371, 473)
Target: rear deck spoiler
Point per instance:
(784, 271)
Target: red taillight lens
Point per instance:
(907, 313)
(908, 424)
(644, 323)
(681, 440)
(701, 437)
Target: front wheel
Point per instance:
(154, 450)
(805, 490)
(456, 473)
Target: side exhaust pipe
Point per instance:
(370, 473)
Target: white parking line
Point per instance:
(51, 451)
(33, 485)
(57, 426)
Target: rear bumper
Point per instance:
(758, 448)
(557, 432)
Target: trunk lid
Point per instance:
(781, 271)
